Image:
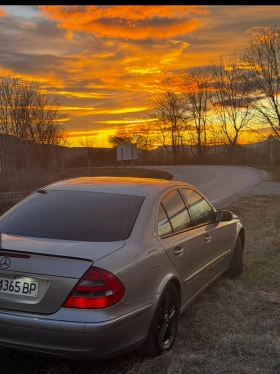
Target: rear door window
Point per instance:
(176, 211)
(164, 227)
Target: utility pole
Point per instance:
(122, 160)
(270, 140)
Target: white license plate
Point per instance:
(19, 286)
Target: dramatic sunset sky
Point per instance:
(105, 62)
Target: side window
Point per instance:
(164, 227)
(199, 207)
(176, 211)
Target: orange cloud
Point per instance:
(132, 12)
(81, 95)
(80, 111)
(45, 81)
(69, 35)
(2, 13)
(127, 121)
(257, 30)
(263, 33)
(126, 22)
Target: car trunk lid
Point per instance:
(47, 268)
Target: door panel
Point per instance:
(186, 250)
(221, 245)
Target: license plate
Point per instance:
(19, 286)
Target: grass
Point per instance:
(272, 171)
(232, 328)
(275, 174)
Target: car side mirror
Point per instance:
(225, 215)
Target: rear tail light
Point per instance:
(97, 289)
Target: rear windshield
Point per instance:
(73, 215)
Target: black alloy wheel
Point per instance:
(167, 319)
(163, 329)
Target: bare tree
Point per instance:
(121, 136)
(168, 108)
(231, 103)
(144, 136)
(262, 57)
(197, 90)
(28, 92)
(16, 100)
(3, 151)
(30, 116)
(58, 149)
(88, 142)
(45, 125)
(161, 135)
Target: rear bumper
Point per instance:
(76, 340)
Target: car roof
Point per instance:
(119, 185)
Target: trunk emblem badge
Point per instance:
(5, 263)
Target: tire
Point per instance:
(236, 265)
(163, 329)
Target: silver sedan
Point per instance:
(92, 267)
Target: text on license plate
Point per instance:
(19, 286)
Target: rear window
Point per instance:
(73, 215)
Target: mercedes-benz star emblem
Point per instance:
(5, 263)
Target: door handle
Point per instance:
(207, 238)
(178, 251)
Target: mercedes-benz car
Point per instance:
(94, 267)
